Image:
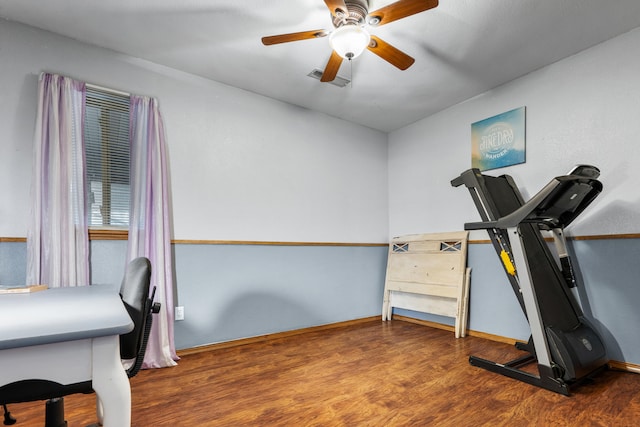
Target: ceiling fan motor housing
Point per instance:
(355, 14)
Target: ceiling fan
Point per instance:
(349, 37)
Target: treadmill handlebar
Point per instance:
(470, 226)
(524, 212)
(467, 178)
(555, 206)
(587, 171)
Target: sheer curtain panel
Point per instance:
(57, 235)
(149, 226)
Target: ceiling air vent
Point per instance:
(338, 81)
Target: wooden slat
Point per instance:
(15, 239)
(453, 235)
(438, 290)
(99, 236)
(274, 243)
(432, 304)
(108, 234)
(440, 268)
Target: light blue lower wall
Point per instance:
(13, 263)
(231, 292)
(236, 291)
(610, 272)
(108, 259)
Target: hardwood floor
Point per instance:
(370, 374)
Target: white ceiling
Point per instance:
(461, 48)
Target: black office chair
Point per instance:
(134, 292)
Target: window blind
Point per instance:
(107, 152)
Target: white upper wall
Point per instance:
(246, 167)
(243, 166)
(583, 109)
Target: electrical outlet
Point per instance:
(179, 313)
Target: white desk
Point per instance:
(69, 335)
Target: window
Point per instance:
(106, 138)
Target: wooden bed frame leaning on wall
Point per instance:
(428, 273)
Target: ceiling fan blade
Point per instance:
(398, 10)
(390, 54)
(292, 37)
(331, 70)
(334, 5)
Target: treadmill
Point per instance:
(565, 347)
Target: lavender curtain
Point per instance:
(149, 225)
(57, 234)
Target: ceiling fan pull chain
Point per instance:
(351, 72)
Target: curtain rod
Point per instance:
(96, 87)
(106, 89)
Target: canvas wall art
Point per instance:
(498, 141)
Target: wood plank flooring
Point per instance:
(370, 374)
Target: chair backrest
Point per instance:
(135, 296)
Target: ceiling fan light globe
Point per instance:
(349, 40)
